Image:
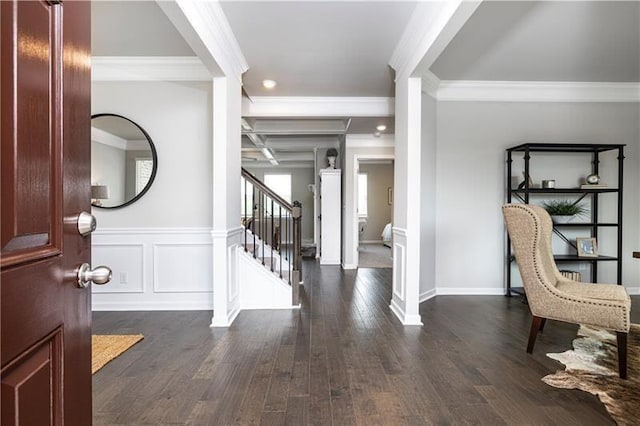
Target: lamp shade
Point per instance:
(99, 192)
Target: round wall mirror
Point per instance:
(123, 161)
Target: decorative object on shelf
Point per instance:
(521, 185)
(563, 211)
(587, 247)
(572, 275)
(332, 154)
(593, 179)
(593, 186)
(549, 183)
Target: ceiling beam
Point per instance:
(300, 106)
(431, 27)
(206, 30)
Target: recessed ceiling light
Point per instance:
(381, 127)
(269, 84)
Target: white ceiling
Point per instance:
(342, 49)
(584, 41)
(318, 48)
(134, 28)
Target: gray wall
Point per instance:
(108, 168)
(301, 178)
(471, 139)
(379, 180)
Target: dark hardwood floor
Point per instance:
(341, 359)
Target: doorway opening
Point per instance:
(374, 211)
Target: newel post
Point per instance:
(296, 214)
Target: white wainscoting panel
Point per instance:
(178, 267)
(127, 263)
(164, 269)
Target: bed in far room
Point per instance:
(386, 235)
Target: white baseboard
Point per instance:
(204, 305)
(633, 291)
(349, 266)
(224, 321)
(429, 294)
(371, 242)
(460, 291)
(403, 317)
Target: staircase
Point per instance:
(270, 259)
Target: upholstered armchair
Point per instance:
(551, 295)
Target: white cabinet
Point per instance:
(330, 219)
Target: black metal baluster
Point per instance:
(263, 219)
(280, 236)
(245, 215)
(272, 235)
(253, 218)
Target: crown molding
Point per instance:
(370, 141)
(430, 84)
(533, 91)
(205, 27)
(300, 106)
(148, 68)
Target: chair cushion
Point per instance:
(610, 292)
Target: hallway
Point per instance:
(342, 359)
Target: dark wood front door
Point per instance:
(45, 341)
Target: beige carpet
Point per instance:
(105, 348)
(592, 366)
(374, 256)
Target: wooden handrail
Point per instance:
(264, 188)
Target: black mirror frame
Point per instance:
(154, 155)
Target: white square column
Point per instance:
(407, 201)
(227, 232)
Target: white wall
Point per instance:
(428, 198)
(470, 177)
(167, 232)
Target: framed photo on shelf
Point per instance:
(587, 247)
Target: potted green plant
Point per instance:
(563, 211)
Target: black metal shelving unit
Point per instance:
(523, 195)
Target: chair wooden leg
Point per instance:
(535, 326)
(622, 354)
(542, 323)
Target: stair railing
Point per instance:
(275, 237)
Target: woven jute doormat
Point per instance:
(105, 348)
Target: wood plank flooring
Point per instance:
(342, 359)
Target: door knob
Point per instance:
(100, 275)
(86, 223)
